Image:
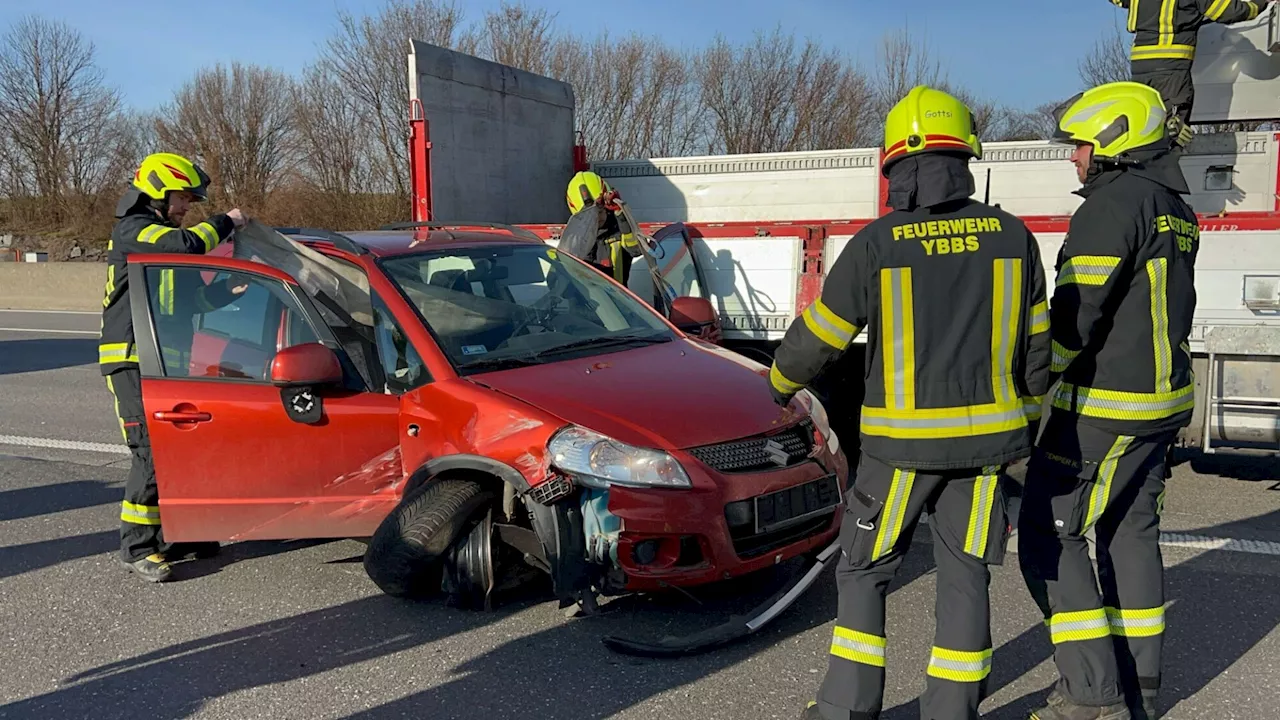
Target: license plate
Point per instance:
(796, 504)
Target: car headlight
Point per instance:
(819, 416)
(598, 461)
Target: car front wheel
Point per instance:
(405, 555)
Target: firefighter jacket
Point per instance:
(1123, 303)
(141, 230)
(1165, 30)
(953, 300)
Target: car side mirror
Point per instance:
(306, 364)
(697, 317)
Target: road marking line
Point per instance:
(47, 330)
(21, 441)
(53, 312)
(1202, 542)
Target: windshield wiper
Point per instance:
(500, 362)
(604, 341)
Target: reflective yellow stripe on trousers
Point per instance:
(959, 665)
(1102, 485)
(1146, 622)
(984, 500)
(139, 514)
(858, 647)
(895, 509)
(1078, 626)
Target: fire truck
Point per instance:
(755, 234)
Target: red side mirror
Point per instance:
(697, 317)
(307, 364)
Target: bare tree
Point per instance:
(515, 35)
(239, 123)
(333, 148)
(58, 117)
(1107, 61)
(904, 62)
(367, 55)
(770, 96)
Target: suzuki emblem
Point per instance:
(777, 452)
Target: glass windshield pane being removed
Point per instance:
(498, 307)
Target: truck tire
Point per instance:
(404, 557)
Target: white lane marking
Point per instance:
(1202, 542)
(48, 330)
(1167, 539)
(52, 312)
(114, 449)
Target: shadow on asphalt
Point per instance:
(34, 355)
(19, 559)
(1250, 468)
(1215, 615)
(563, 672)
(40, 500)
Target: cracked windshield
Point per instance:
(508, 306)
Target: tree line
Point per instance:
(328, 147)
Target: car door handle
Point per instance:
(176, 416)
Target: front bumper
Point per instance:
(683, 537)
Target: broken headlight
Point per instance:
(818, 414)
(595, 460)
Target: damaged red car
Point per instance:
(470, 400)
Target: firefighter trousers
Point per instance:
(967, 516)
(1174, 85)
(140, 533)
(1106, 645)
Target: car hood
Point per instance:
(675, 395)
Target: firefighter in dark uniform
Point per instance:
(616, 242)
(952, 295)
(1120, 322)
(1164, 47)
(149, 214)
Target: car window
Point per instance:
(402, 367)
(219, 324)
(503, 301)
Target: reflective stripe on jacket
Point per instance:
(955, 308)
(1122, 307)
(1164, 31)
(142, 231)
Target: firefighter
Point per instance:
(1164, 47)
(1120, 322)
(616, 242)
(149, 214)
(951, 292)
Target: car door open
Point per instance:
(260, 427)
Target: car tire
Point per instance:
(404, 557)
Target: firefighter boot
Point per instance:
(1147, 710)
(811, 712)
(152, 568)
(1058, 707)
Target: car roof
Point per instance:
(386, 243)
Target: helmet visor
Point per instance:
(1060, 135)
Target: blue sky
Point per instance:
(1020, 52)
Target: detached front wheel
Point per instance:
(406, 553)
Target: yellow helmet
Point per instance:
(585, 188)
(162, 173)
(1114, 118)
(928, 120)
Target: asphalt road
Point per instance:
(296, 629)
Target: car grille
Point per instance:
(766, 452)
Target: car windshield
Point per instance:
(512, 305)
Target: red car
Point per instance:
(470, 400)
